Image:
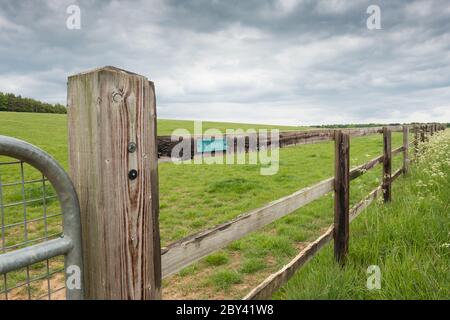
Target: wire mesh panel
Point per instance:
(30, 213)
(40, 232)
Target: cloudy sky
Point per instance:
(259, 61)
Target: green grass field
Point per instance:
(195, 197)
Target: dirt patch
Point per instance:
(196, 287)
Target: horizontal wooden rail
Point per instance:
(287, 138)
(360, 170)
(396, 174)
(182, 253)
(363, 204)
(397, 151)
(278, 279)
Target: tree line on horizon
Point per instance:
(12, 103)
(358, 125)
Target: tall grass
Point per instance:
(409, 239)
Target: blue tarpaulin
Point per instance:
(211, 145)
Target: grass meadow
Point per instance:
(409, 239)
(196, 197)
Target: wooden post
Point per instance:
(113, 164)
(416, 140)
(387, 164)
(405, 149)
(341, 196)
(422, 133)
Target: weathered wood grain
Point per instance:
(387, 164)
(362, 169)
(416, 140)
(182, 253)
(107, 109)
(341, 196)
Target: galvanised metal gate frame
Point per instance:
(69, 244)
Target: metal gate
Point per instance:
(40, 248)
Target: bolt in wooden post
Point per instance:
(113, 164)
(405, 149)
(341, 195)
(387, 164)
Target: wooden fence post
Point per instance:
(422, 133)
(416, 140)
(387, 164)
(405, 149)
(113, 164)
(341, 195)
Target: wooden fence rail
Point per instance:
(288, 138)
(184, 252)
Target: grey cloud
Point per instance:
(285, 61)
